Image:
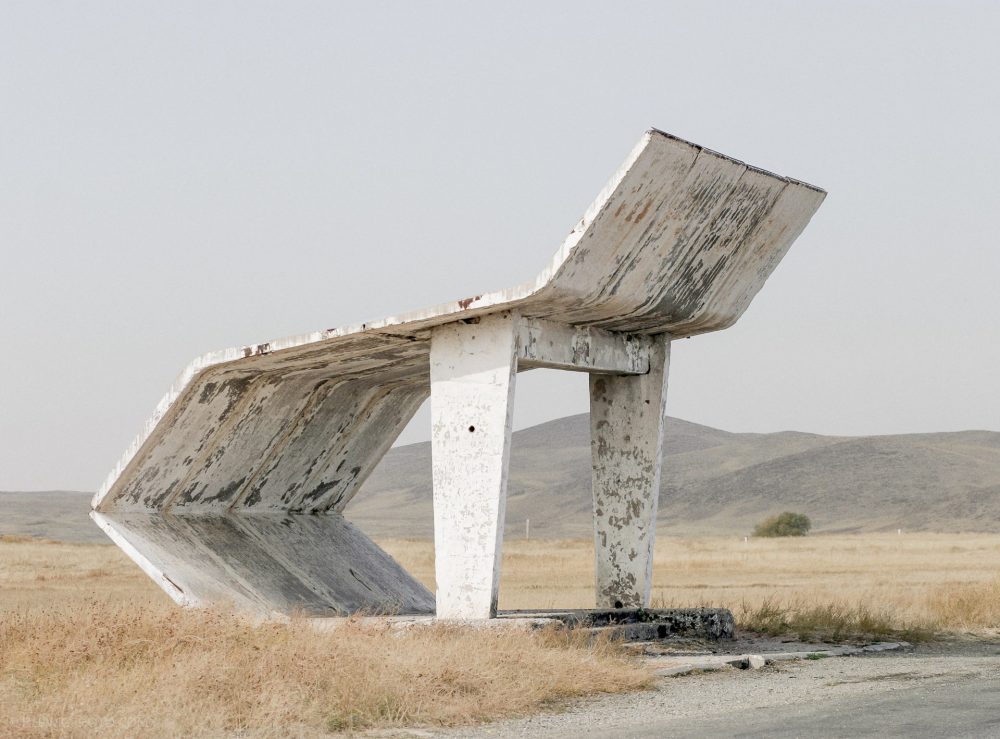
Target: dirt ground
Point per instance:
(941, 689)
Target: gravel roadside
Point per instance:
(727, 702)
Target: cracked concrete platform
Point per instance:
(672, 659)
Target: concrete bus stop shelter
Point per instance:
(234, 490)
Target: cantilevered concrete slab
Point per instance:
(235, 488)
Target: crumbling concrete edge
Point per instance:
(757, 661)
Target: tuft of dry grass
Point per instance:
(967, 607)
(835, 622)
(119, 670)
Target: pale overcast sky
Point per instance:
(177, 177)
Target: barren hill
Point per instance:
(720, 482)
(714, 482)
(49, 514)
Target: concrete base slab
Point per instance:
(400, 623)
(671, 665)
(641, 624)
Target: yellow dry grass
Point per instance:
(950, 580)
(88, 645)
(39, 574)
(107, 670)
(928, 580)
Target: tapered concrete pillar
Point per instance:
(626, 433)
(473, 367)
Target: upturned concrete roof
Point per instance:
(204, 500)
(679, 241)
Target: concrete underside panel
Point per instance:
(678, 243)
(268, 563)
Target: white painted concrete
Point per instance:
(267, 564)
(580, 348)
(678, 242)
(626, 438)
(473, 366)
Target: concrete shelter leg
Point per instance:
(626, 436)
(473, 366)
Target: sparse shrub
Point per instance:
(784, 524)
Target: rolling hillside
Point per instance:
(49, 514)
(714, 482)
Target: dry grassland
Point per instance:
(948, 581)
(89, 646)
(100, 670)
(938, 581)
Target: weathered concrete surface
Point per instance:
(473, 366)
(581, 348)
(268, 564)
(677, 243)
(644, 624)
(472, 391)
(928, 690)
(655, 632)
(626, 443)
(673, 666)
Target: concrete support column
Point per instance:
(626, 434)
(472, 391)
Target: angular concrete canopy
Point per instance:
(234, 488)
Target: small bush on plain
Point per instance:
(784, 524)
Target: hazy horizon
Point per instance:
(186, 177)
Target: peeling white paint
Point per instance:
(580, 348)
(472, 391)
(626, 442)
(262, 446)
